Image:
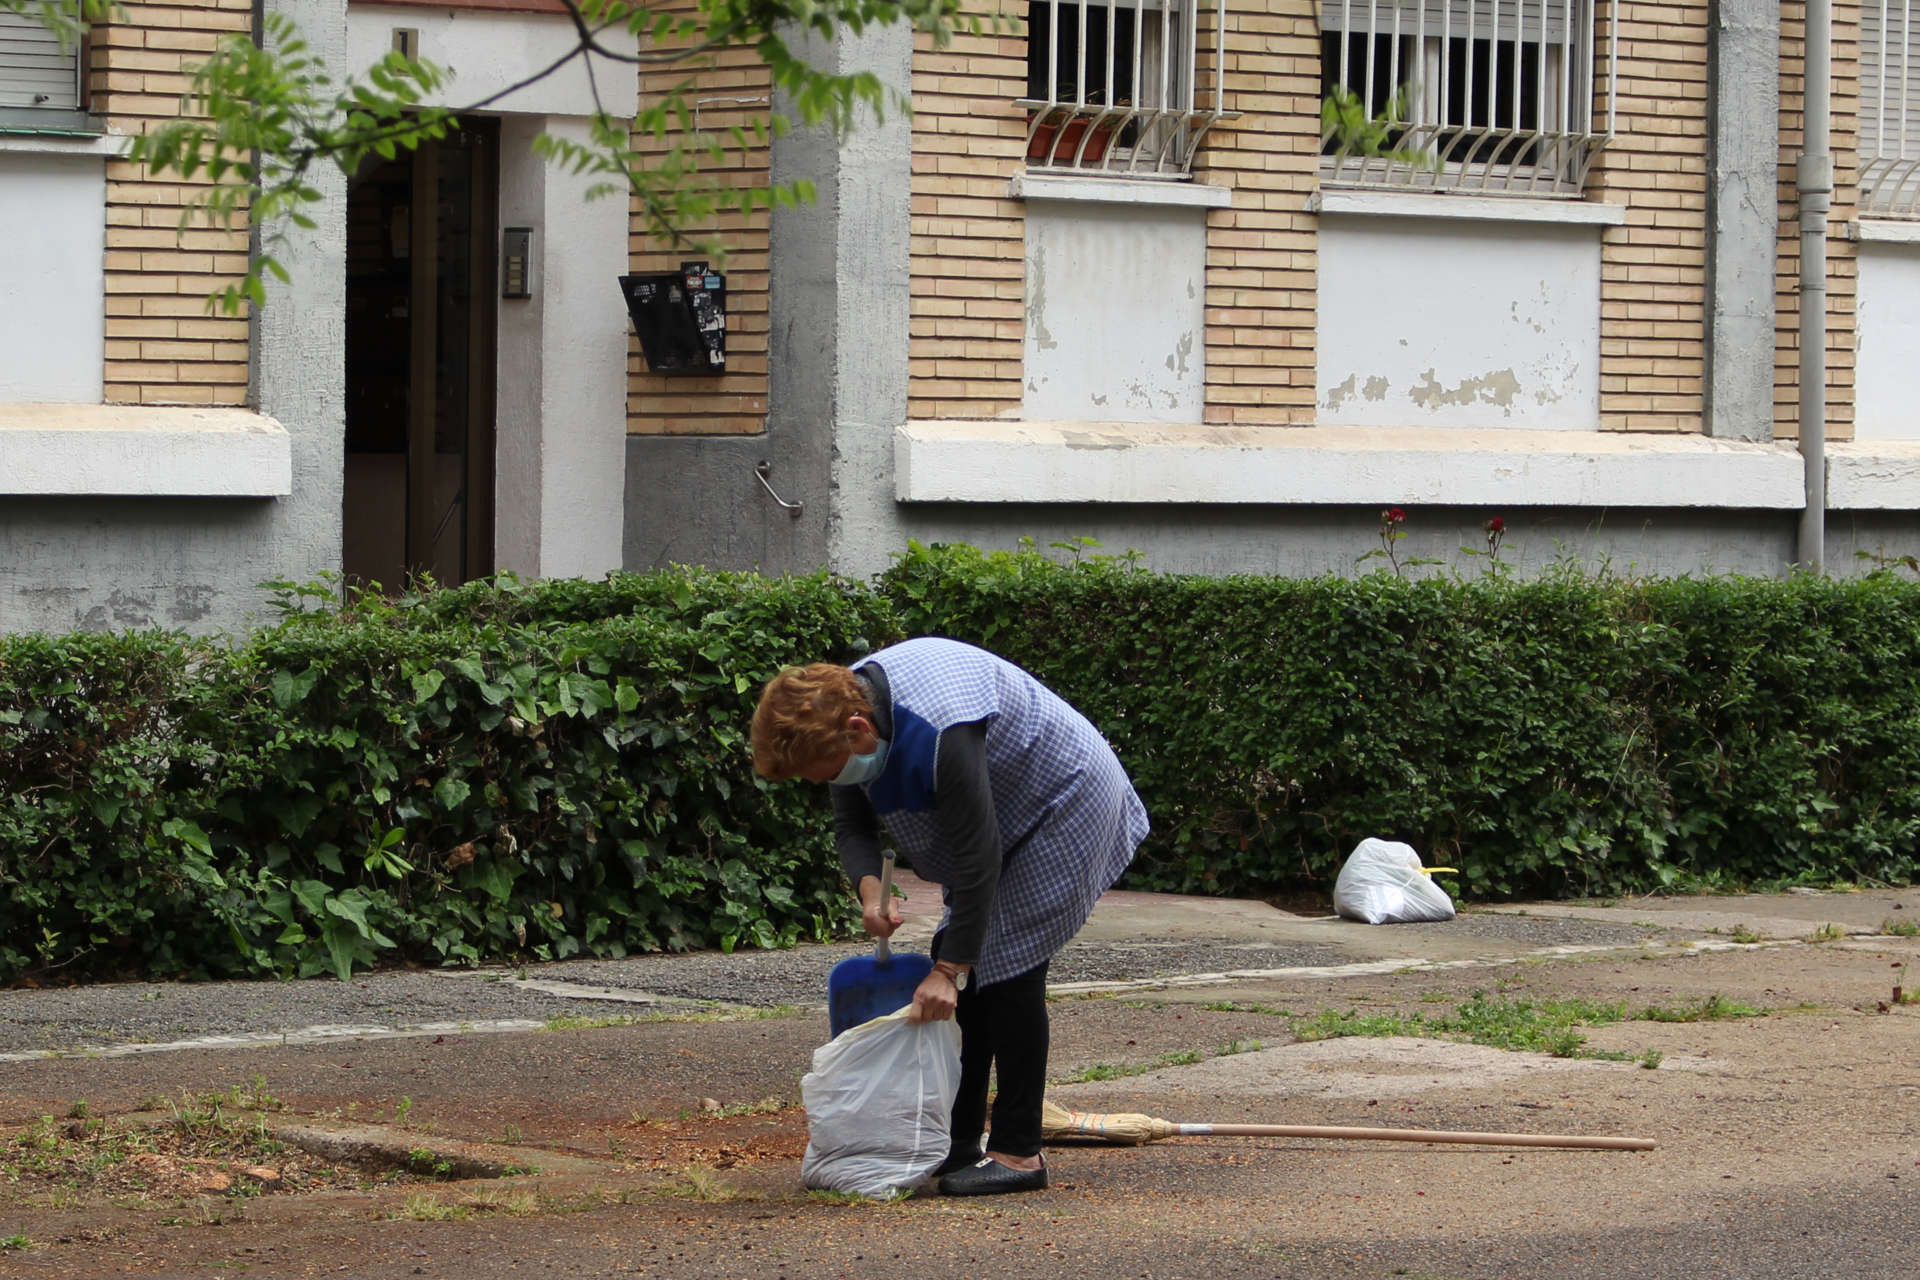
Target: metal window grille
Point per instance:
(1889, 110)
(1124, 88)
(1492, 97)
(37, 72)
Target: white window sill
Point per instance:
(997, 461)
(1420, 204)
(1156, 191)
(104, 145)
(1884, 231)
(146, 451)
(1873, 475)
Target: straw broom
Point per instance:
(1130, 1129)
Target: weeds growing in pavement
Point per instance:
(704, 1185)
(1550, 1026)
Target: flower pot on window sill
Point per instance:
(1060, 143)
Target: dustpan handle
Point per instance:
(881, 950)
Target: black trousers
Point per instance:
(1004, 1029)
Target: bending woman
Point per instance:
(996, 790)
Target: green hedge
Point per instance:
(1573, 734)
(529, 770)
(524, 771)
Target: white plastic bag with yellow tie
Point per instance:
(879, 1104)
(1383, 882)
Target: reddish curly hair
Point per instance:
(802, 717)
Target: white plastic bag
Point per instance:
(1384, 883)
(879, 1105)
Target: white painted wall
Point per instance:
(487, 50)
(561, 392)
(1116, 305)
(519, 385)
(53, 223)
(1447, 323)
(1886, 387)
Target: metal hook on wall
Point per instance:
(764, 469)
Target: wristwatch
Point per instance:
(956, 973)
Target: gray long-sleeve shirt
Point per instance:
(963, 806)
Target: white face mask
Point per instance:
(863, 768)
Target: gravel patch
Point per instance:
(119, 1014)
(1552, 931)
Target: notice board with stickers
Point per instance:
(681, 318)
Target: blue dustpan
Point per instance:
(862, 988)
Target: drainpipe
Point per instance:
(1813, 178)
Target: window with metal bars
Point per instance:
(1889, 110)
(1494, 97)
(1123, 88)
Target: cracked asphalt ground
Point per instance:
(656, 1100)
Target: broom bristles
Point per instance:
(1126, 1128)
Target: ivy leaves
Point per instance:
(525, 771)
(1574, 733)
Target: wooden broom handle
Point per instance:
(1413, 1135)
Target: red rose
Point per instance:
(1394, 515)
(1496, 525)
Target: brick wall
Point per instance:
(162, 345)
(1261, 308)
(1260, 303)
(730, 93)
(968, 239)
(1842, 266)
(1653, 270)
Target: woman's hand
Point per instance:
(934, 999)
(880, 917)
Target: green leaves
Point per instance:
(1570, 734)
(260, 119)
(511, 770)
(503, 771)
(1350, 130)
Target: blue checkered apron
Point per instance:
(1069, 819)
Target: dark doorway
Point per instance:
(420, 361)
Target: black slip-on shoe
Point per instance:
(988, 1177)
(959, 1159)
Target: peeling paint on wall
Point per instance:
(1037, 299)
(1182, 349)
(1496, 388)
(64, 608)
(1089, 440)
(1344, 392)
(1490, 326)
(1115, 316)
(191, 604)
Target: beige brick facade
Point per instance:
(1842, 265)
(967, 320)
(967, 317)
(731, 93)
(968, 236)
(1653, 269)
(163, 346)
(966, 340)
(1261, 259)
